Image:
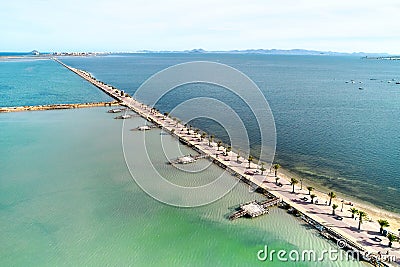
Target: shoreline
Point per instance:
(58, 106)
(320, 213)
(374, 211)
(378, 211)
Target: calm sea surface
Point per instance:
(29, 82)
(67, 199)
(328, 131)
(66, 196)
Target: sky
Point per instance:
(131, 25)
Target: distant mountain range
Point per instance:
(276, 52)
(202, 51)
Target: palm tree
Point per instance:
(310, 188)
(312, 197)
(210, 139)
(202, 136)
(293, 182)
(334, 207)
(331, 196)
(276, 167)
(383, 223)
(228, 149)
(362, 215)
(250, 159)
(391, 238)
(353, 212)
(238, 156)
(277, 179)
(219, 143)
(262, 169)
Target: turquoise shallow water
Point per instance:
(29, 82)
(66, 198)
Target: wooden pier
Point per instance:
(254, 208)
(186, 159)
(270, 202)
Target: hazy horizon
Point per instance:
(207, 51)
(122, 25)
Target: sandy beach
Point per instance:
(374, 213)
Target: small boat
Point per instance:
(143, 128)
(116, 110)
(360, 88)
(123, 117)
(397, 82)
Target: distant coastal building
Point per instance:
(79, 53)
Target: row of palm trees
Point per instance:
(362, 214)
(293, 181)
(227, 149)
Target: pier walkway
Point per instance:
(254, 208)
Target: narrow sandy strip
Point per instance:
(58, 106)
